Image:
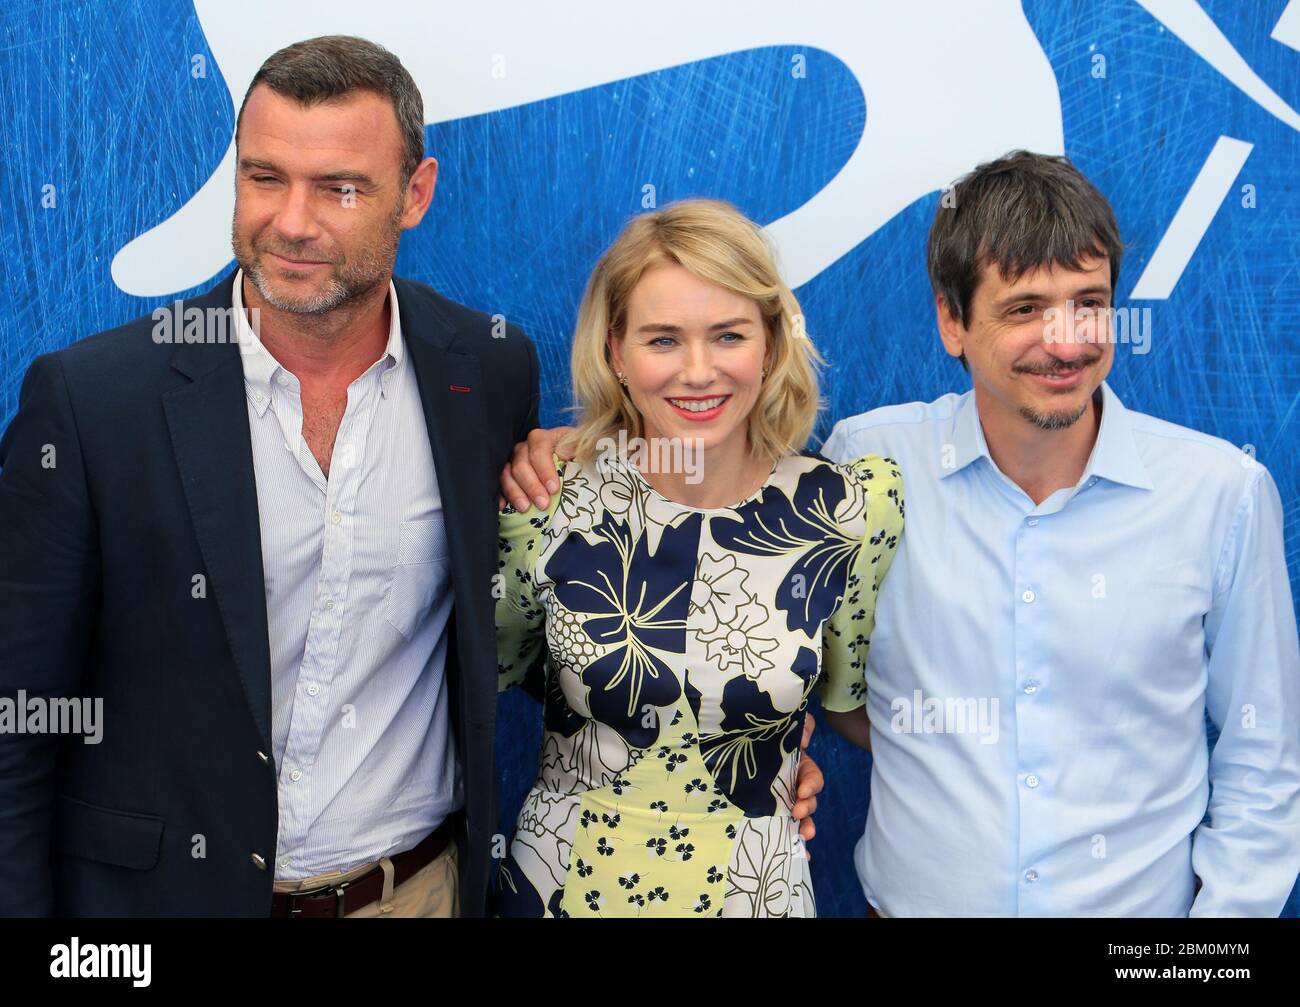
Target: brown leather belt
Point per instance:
(339, 900)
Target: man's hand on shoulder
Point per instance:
(530, 477)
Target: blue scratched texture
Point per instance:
(98, 101)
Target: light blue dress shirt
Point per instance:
(1039, 678)
(358, 594)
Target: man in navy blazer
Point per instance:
(291, 650)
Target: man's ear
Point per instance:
(951, 331)
(419, 192)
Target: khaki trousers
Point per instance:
(429, 893)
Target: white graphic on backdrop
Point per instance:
(1287, 29)
(1189, 22)
(947, 84)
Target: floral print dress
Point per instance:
(681, 645)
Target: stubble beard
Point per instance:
(1058, 419)
(348, 282)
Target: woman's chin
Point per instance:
(677, 437)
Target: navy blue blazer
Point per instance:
(127, 470)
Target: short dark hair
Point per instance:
(1020, 212)
(332, 66)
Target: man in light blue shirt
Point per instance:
(1077, 586)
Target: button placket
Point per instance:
(308, 719)
(1030, 715)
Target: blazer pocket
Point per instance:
(123, 838)
(421, 564)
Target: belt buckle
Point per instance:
(338, 891)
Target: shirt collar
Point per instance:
(1114, 454)
(261, 368)
(967, 442)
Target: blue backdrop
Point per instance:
(100, 101)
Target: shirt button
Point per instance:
(1032, 522)
(313, 689)
(336, 517)
(330, 605)
(1031, 875)
(1028, 597)
(1031, 687)
(260, 861)
(1031, 781)
(296, 775)
(284, 861)
(281, 380)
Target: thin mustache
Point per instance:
(297, 256)
(1060, 368)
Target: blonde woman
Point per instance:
(690, 583)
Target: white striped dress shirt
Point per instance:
(358, 596)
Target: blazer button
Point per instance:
(263, 756)
(260, 861)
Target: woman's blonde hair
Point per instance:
(717, 243)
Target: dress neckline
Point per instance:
(638, 475)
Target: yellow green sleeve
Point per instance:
(520, 618)
(846, 636)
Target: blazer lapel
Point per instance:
(208, 422)
(451, 395)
